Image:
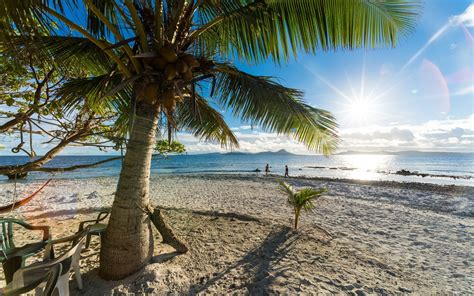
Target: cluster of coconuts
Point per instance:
(173, 66)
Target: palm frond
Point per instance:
(107, 9)
(28, 17)
(275, 108)
(287, 189)
(93, 91)
(305, 197)
(66, 52)
(195, 114)
(281, 28)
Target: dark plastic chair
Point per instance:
(95, 227)
(13, 257)
(51, 278)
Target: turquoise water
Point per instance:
(443, 168)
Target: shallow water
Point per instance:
(442, 168)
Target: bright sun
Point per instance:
(359, 110)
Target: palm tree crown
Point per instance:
(175, 54)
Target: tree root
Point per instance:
(169, 237)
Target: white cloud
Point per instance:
(434, 135)
(466, 18)
(464, 91)
(244, 127)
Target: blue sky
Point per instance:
(417, 96)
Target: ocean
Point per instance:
(437, 168)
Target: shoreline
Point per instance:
(453, 188)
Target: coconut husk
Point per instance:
(168, 54)
(188, 75)
(151, 93)
(170, 72)
(181, 66)
(191, 61)
(159, 63)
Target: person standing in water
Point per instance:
(286, 172)
(267, 169)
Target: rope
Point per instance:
(14, 195)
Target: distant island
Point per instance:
(279, 152)
(350, 152)
(408, 152)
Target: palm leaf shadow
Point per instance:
(258, 263)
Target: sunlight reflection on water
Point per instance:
(366, 166)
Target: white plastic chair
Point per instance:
(51, 278)
(69, 261)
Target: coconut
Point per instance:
(168, 95)
(168, 99)
(168, 54)
(159, 63)
(170, 72)
(181, 66)
(139, 92)
(151, 93)
(188, 75)
(191, 61)
(170, 104)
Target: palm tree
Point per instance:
(168, 63)
(302, 199)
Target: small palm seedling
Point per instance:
(302, 199)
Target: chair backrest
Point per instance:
(73, 253)
(6, 237)
(65, 259)
(53, 276)
(6, 227)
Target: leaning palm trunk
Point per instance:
(128, 242)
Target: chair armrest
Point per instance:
(70, 238)
(102, 215)
(46, 231)
(81, 224)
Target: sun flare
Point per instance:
(359, 110)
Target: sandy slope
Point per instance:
(388, 238)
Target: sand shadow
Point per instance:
(257, 263)
(71, 212)
(162, 258)
(241, 217)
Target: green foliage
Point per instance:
(93, 43)
(278, 29)
(302, 199)
(198, 117)
(264, 102)
(163, 147)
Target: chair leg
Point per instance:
(11, 265)
(88, 240)
(77, 274)
(63, 285)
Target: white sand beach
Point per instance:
(388, 238)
